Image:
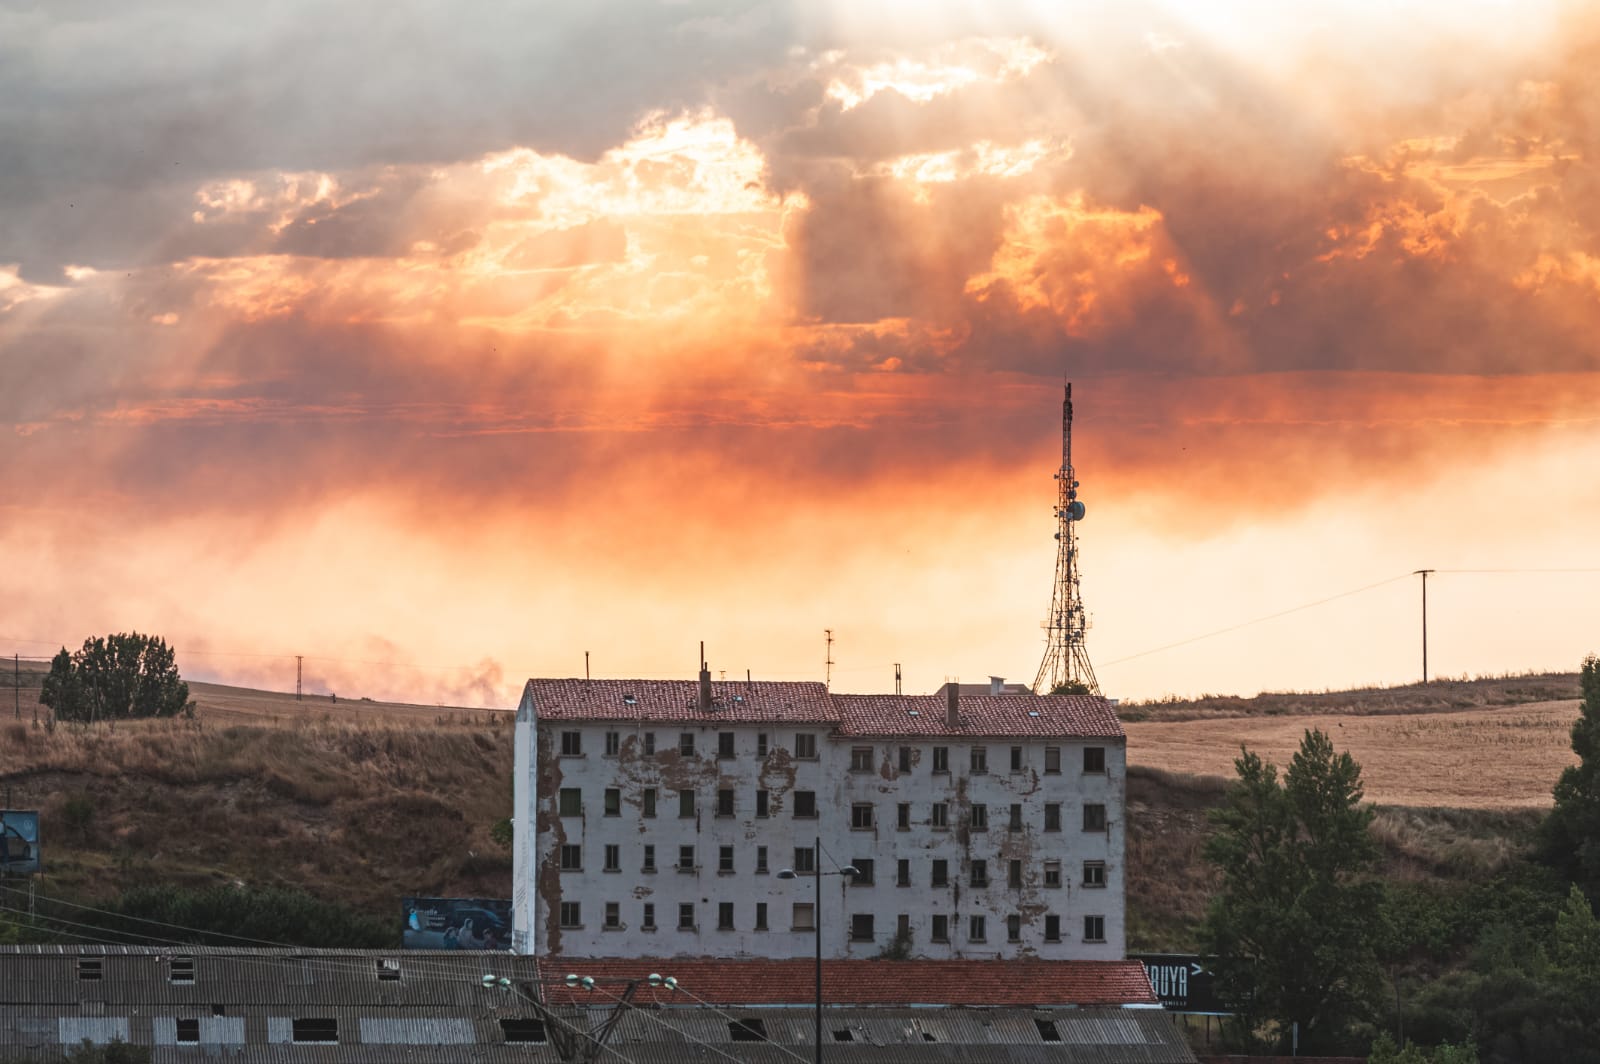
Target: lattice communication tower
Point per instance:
(1066, 662)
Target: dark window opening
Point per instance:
(387, 970)
(725, 744)
(1094, 818)
(747, 1030)
(1094, 759)
(571, 744)
(725, 803)
(319, 1029)
(1047, 1030)
(686, 744)
(182, 970)
(188, 1031)
(843, 1036)
(861, 927)
(522, 1030)
(805, 804)
(89, 968)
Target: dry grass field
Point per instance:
(1500, 758)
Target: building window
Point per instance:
(903, 816)
(649, 744)
(725, 802)
(181, 970)
(571, 744)
(1052, 873)
(980, 817)
(902, 873)
(1014, 928)
(1094, 928)
(649, 805)
(980, 873)
(747, 1030)
(1016, 759)
(1052, 816)
(805, 859)
(725, 744)
(315, 1030)
(613, 743)
(941, 816)
(977, 929)
(905, 759)
(761, 803)
(725, 859)
(761, 744)
(1015, 823)
(941, 929)
(861, 759)
(686, 744)
(571, 858)
(805, 746)
(649, 923)
(1014, 874)
(571, 801)
(613, 857)
(517, 1029)
(980, 760)
(761, 858)
(941, 759)
(1094, 873)
(188, 1032)
(649, 857)
(761, 916)
(686, 858)
(571, 914)
(1052, 928)
(805, 804)
(1094, 817)
(686, 804)
(613, 916)
(686, 916)
(941, 873)
(1094, 759)
(861, 927)
(725, 916)
(1052, 760)
(613, 801)
(861, 816)
(805, 917)
(863, 867)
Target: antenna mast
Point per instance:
(1066, 662)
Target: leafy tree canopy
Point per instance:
(115, 678)
(1295, 923)
(1571, 834)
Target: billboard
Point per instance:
(19, 841)
(1183, 981)
(456, 923)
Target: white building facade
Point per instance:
(652, 819)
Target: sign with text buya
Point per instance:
(19, 841)
(1183, 981)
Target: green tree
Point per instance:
(115, 678)
(1570, 835)
(1295, 922)
(1384, 1051)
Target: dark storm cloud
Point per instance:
(112, 116)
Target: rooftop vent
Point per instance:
(631, 700)
(914, 713)
(1033, 712)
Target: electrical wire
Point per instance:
(596, 988)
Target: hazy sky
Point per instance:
(441, 343)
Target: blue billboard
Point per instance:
(456, 923)
(19, 841)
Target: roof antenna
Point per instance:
(585, 666)
(897, 678)
(705, 680)
(827, 675)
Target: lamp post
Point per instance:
(816, 919)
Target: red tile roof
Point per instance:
(679, 700)
(1044, 716)
(1018, 984)
(769, 702)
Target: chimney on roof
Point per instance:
(952, 705)
(997, 685)
(705, 680)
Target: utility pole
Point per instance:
(1424, 574)
(299, 675)
(16, 665)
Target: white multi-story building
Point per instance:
(652, 819)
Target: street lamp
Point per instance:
(816, 919)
